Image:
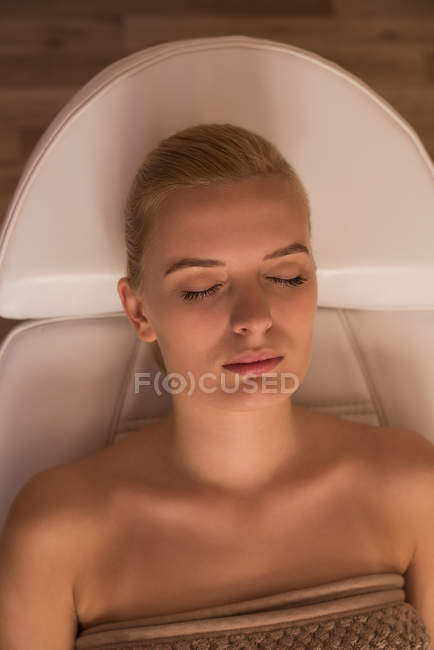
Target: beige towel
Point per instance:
(363, 612)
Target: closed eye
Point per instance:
(195, 295)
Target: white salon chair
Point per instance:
(67, 373)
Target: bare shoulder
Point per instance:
(401, 467)
(38, 549)
(394, 467)
(59, 505)
(413, 461)
(391, 449)
(54, 524)
(397, 461)
(52, 503)
(408, 453)
(43, 498)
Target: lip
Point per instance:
(253, 368)
(254, 355)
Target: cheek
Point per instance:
(298, 311)
(194, 325)
(205, 329)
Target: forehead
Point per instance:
(238, 211)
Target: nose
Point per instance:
(250, 311)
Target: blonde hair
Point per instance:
(203, 154)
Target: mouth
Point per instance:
(255, 367)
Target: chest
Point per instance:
(160, 556)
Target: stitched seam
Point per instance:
(113, 429)
(361, 362)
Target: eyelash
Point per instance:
(188, 296)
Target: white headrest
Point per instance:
(369, 178)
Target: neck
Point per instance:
(234, 453)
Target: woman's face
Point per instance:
(238, 225)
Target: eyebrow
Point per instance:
(185, 262)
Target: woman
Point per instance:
(237, 494)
